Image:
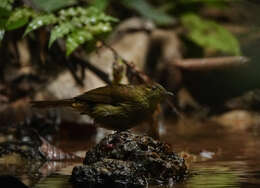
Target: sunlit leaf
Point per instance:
(148, 11)
(52, 5)
(105, 18)
(71, 12)
(80, 24)
(209, 34)
(19, 18)
(83, 15)
(60, 31)
(77, 24)
(100, 28)
(77, 38)
(39, 22)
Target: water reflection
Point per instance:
(55, 181)
(205, 174)
(234, 157)
(211, 176)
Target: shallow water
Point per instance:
(220, 158)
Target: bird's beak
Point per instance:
(169, 93)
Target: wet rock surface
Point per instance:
(125, 159)
(11, 181)
(26, 153)
(109, 172)
(27, 142)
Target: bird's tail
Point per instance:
(51, 104)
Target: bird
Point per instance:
(116, 107)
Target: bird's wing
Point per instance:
(111, 94)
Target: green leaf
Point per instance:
(148, 11)
(19, 18)
(53, 5)
(85, 15)
(100, 28)
(4, 15)
(209, 34)
(78, 11)
(77, 38)
(105, 18)
(80, 24)
(60, 31)
(40, 21)
(5, 12)
(100, 4)
(6, 4)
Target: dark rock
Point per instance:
(109, 172)
(24, 152)
(25, 140)
(135, 156)
(20, 140)
(11, 181)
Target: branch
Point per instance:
(132, 70)
(86, 64)
(210, 63)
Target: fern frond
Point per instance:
(40, 21)
(60, 31)
(79, 25)
(77, 38)
(76, 24)
(19, 17)
(100, 28)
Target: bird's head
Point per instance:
(155, 92)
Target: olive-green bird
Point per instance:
(115, 107)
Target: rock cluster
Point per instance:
(125, 159)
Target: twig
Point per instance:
(86, 64)
(72, 70)
(173, 108)
(131, 68)
(210, 63)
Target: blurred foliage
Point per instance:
(149, 12)
(18, 18)
(100, 4)
(53, 5)
(77, 25)
(209, 34)
(83, 22)
(6, 5)
(5, 11)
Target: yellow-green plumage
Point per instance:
(116, 107)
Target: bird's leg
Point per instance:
(154, 124)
